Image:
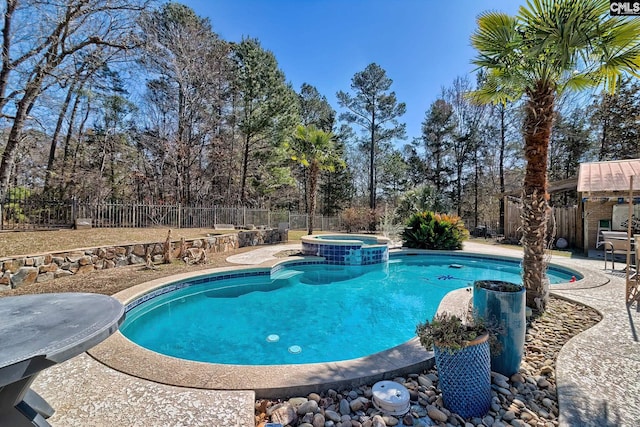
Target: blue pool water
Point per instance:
(308, 313)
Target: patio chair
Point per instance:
(615, 244)
(633, 280)
(603, 225)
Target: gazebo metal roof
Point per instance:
(609, 176)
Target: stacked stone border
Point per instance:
(27, 269)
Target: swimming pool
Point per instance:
(305, 312)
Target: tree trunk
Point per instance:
(245, 168)
(11, 147)
(54, 138)
(459, 189)
(476, 179)
(503, 144)
(6, 49)
(372, 157)
(314, 171)
(535, 210)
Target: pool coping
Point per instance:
(273, 381)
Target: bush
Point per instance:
(421, 198)
(430, 230)
(358, 219)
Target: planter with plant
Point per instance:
(462, 354)
(503, 303)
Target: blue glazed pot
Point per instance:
(505, 304)
(464, 376)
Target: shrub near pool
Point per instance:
(430, 230)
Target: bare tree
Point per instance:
(66, 30)
(186, 92)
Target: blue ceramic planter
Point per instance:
(504, 303)
(464, 376)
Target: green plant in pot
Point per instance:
(462, 354)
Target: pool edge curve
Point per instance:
(272, 381)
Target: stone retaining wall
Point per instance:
(28, 269)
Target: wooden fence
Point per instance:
(565, 223)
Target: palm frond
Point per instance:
(579, 82)
(496, 39)
(497, 88)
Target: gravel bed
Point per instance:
(527, 399)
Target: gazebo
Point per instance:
(613, 187)
(606, 189)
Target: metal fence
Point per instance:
(34, 213)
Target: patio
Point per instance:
(596, 372)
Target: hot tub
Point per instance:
(347, 249)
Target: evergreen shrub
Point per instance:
(430, 230)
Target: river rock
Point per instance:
(523, 400)
(418, 411)
(297, 401)
(509, 416)
(377, 421)
(543, 383)
(425, 382)
(318, 420)
(390, 420)
(308, 406)
(517, 378)
(436, 414)
(345, 409)
(332, 416)
(314, 396)
(306, 419)
(283, 414)
(358, 404)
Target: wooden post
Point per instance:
(629, 234)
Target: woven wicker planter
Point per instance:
(465, 378)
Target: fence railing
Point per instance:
(32, 213)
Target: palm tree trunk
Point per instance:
(537, 132)
(314, 171)
(501, 168)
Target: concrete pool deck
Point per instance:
(597, 371)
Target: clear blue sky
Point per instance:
(422, 44)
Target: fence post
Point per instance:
(74, 209)
(179, 215)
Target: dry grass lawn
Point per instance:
(33, 242)
(109, 281)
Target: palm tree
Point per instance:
(315, 150)
(548, 47)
